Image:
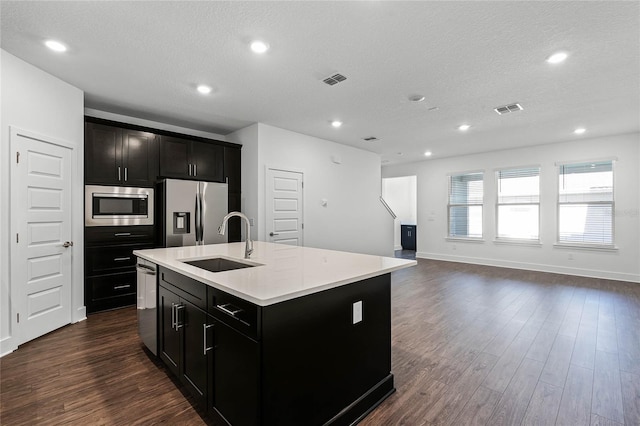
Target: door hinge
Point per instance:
(17, 238)
(17, 157)
(18, 317)
(303, 226)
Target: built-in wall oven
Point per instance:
(117, 206)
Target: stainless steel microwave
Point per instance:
(117, 206)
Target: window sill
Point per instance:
(465, 240)
(576, 246)
(529, 243)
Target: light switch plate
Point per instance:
(357, 312)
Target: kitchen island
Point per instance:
(292, 336)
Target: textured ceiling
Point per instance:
(145, 59)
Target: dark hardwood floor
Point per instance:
(472, 345)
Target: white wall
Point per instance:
(354, 219)
(36, 101)
(621, 264)
(152, 124)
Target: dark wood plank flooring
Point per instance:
(472, 345)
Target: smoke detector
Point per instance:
(505, 109)
(334, 79)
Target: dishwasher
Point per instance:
(147, 312)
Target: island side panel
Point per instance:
(317, 362)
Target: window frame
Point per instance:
(583, 245)
(449, 205)
(524, 241)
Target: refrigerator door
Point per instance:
(214, 208)
(180, 199)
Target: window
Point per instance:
(465, 205)
(585, 203)
(518, 209)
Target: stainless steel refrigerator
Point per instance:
(189, 212)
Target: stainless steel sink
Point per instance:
(218, 264)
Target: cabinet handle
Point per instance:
(118, 287)
(121, 259)
(190, 166)
(205, 348)
(122, 234)
(195, 170)
(119, 178)
(229, 308)
(125, 174)
(173, 315)
(179, 307)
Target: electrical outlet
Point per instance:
(357, 312)
(251, 221)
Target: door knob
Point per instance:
(67, 244)
(271, 234)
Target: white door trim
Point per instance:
(14, 292)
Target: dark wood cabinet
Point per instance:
(408, 237)
(234, 382)
(110, 266)
(300, 361)
(184, 340)
(117, 156)
(232, 169)
(191, 159)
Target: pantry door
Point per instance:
(284, 217)
(41, 253)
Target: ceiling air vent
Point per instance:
(370, 139)
(505, 109)
(334, 79)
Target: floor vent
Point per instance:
(505, 109)
(334, 79)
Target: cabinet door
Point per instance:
(139, 158)
(193, 369)
(169, 338)
(103, 154)
(232, 170)
(175, 157)
(235, 381)
(208, 159)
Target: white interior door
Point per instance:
(284, 207)
(41, 228)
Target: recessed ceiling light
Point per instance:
(259, 46)
(56, 46)
(556, 58)
(205, 90)
(427, 154)
(464, 127)
(579, 130)
(336, 123)
(416, 98)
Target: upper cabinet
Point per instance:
(191, 159)
(232, 159)
(117, 156)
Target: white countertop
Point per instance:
(284, 272)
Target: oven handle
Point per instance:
(145, 270)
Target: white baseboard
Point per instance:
(580, 272)
(398, 247)
(81, 314)
(7, 346)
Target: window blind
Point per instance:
(466, 195)
(585, 203)
(518, 210)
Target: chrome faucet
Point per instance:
(249, 244)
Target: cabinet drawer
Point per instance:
(235, 312)
(113, 285)
(109, 260)
(101, 235)
(185, 287)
